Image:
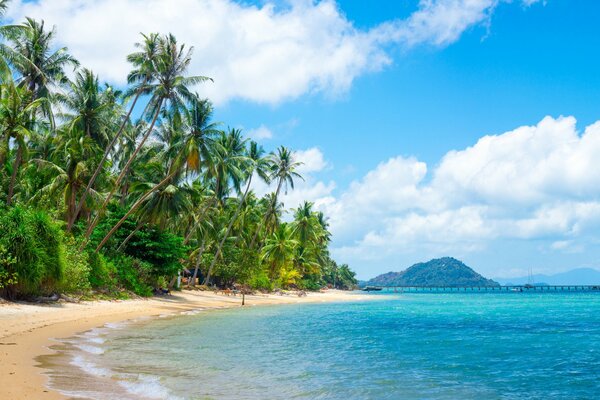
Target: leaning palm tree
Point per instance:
(142, 75)
(171, 91)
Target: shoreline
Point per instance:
(28, 330)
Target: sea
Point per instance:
(396, 346)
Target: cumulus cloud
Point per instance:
(533, 183)
(265, 54)
(260, 133)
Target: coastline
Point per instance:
(27, 330)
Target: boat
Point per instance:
(371, 289)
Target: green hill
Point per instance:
(445, 271)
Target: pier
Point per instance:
(512, 288)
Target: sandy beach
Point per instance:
(27, 330)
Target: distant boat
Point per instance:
(372, 289)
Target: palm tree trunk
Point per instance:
(198, 260)
(122, 175)
(132, 210)
(13, 176)
(220, 247)
(100, 166)
(71, 202)
(133, 232)
(191, 232)
(266, 215)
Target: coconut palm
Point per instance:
(142, 74)
(69, 166)
(171, 90)
(17, 121)
(31, 53)
(255, 163)
(284, 169)
(279, 250)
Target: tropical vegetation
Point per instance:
(117, 190)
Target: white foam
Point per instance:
(148, 387)
(90, 368)
(97, 340)
(90, 349)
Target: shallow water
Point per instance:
(410, 346)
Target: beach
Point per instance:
(27, 330)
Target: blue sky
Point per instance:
(389, 103)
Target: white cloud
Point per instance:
(260, 133)
(312, 160)
(533, 183)
(265, 54)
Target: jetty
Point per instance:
(508, 288)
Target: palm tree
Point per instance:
(284, 169)
(39, 68)
(70, 169)
(171, 89)
(256, 163)
(279, 250)
(142, 74)
(17, 113)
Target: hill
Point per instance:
(445, 271)
(578, 276)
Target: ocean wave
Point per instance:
(148, 387)
(90, 368)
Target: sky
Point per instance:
(464, 128)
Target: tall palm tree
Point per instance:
(255, 163)
(279, 250)
(32, 55)
(284, 169)
(171, 90)
(69, 166)
(17, 116)
(142, 74)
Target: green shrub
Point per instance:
(103, 273)
(34, 243)
(77, 269)
(260, 281)
(134, 275)
(7, 278)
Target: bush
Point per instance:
(103, 273)
(260, 281)
(77, 269)
(135, 275)
(34, 244)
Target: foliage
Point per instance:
(134, 275)
(103, 273)
(33, 243)
(100, 198)
(77, 269)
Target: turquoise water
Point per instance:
(411, 346)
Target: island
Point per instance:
(446, 271)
